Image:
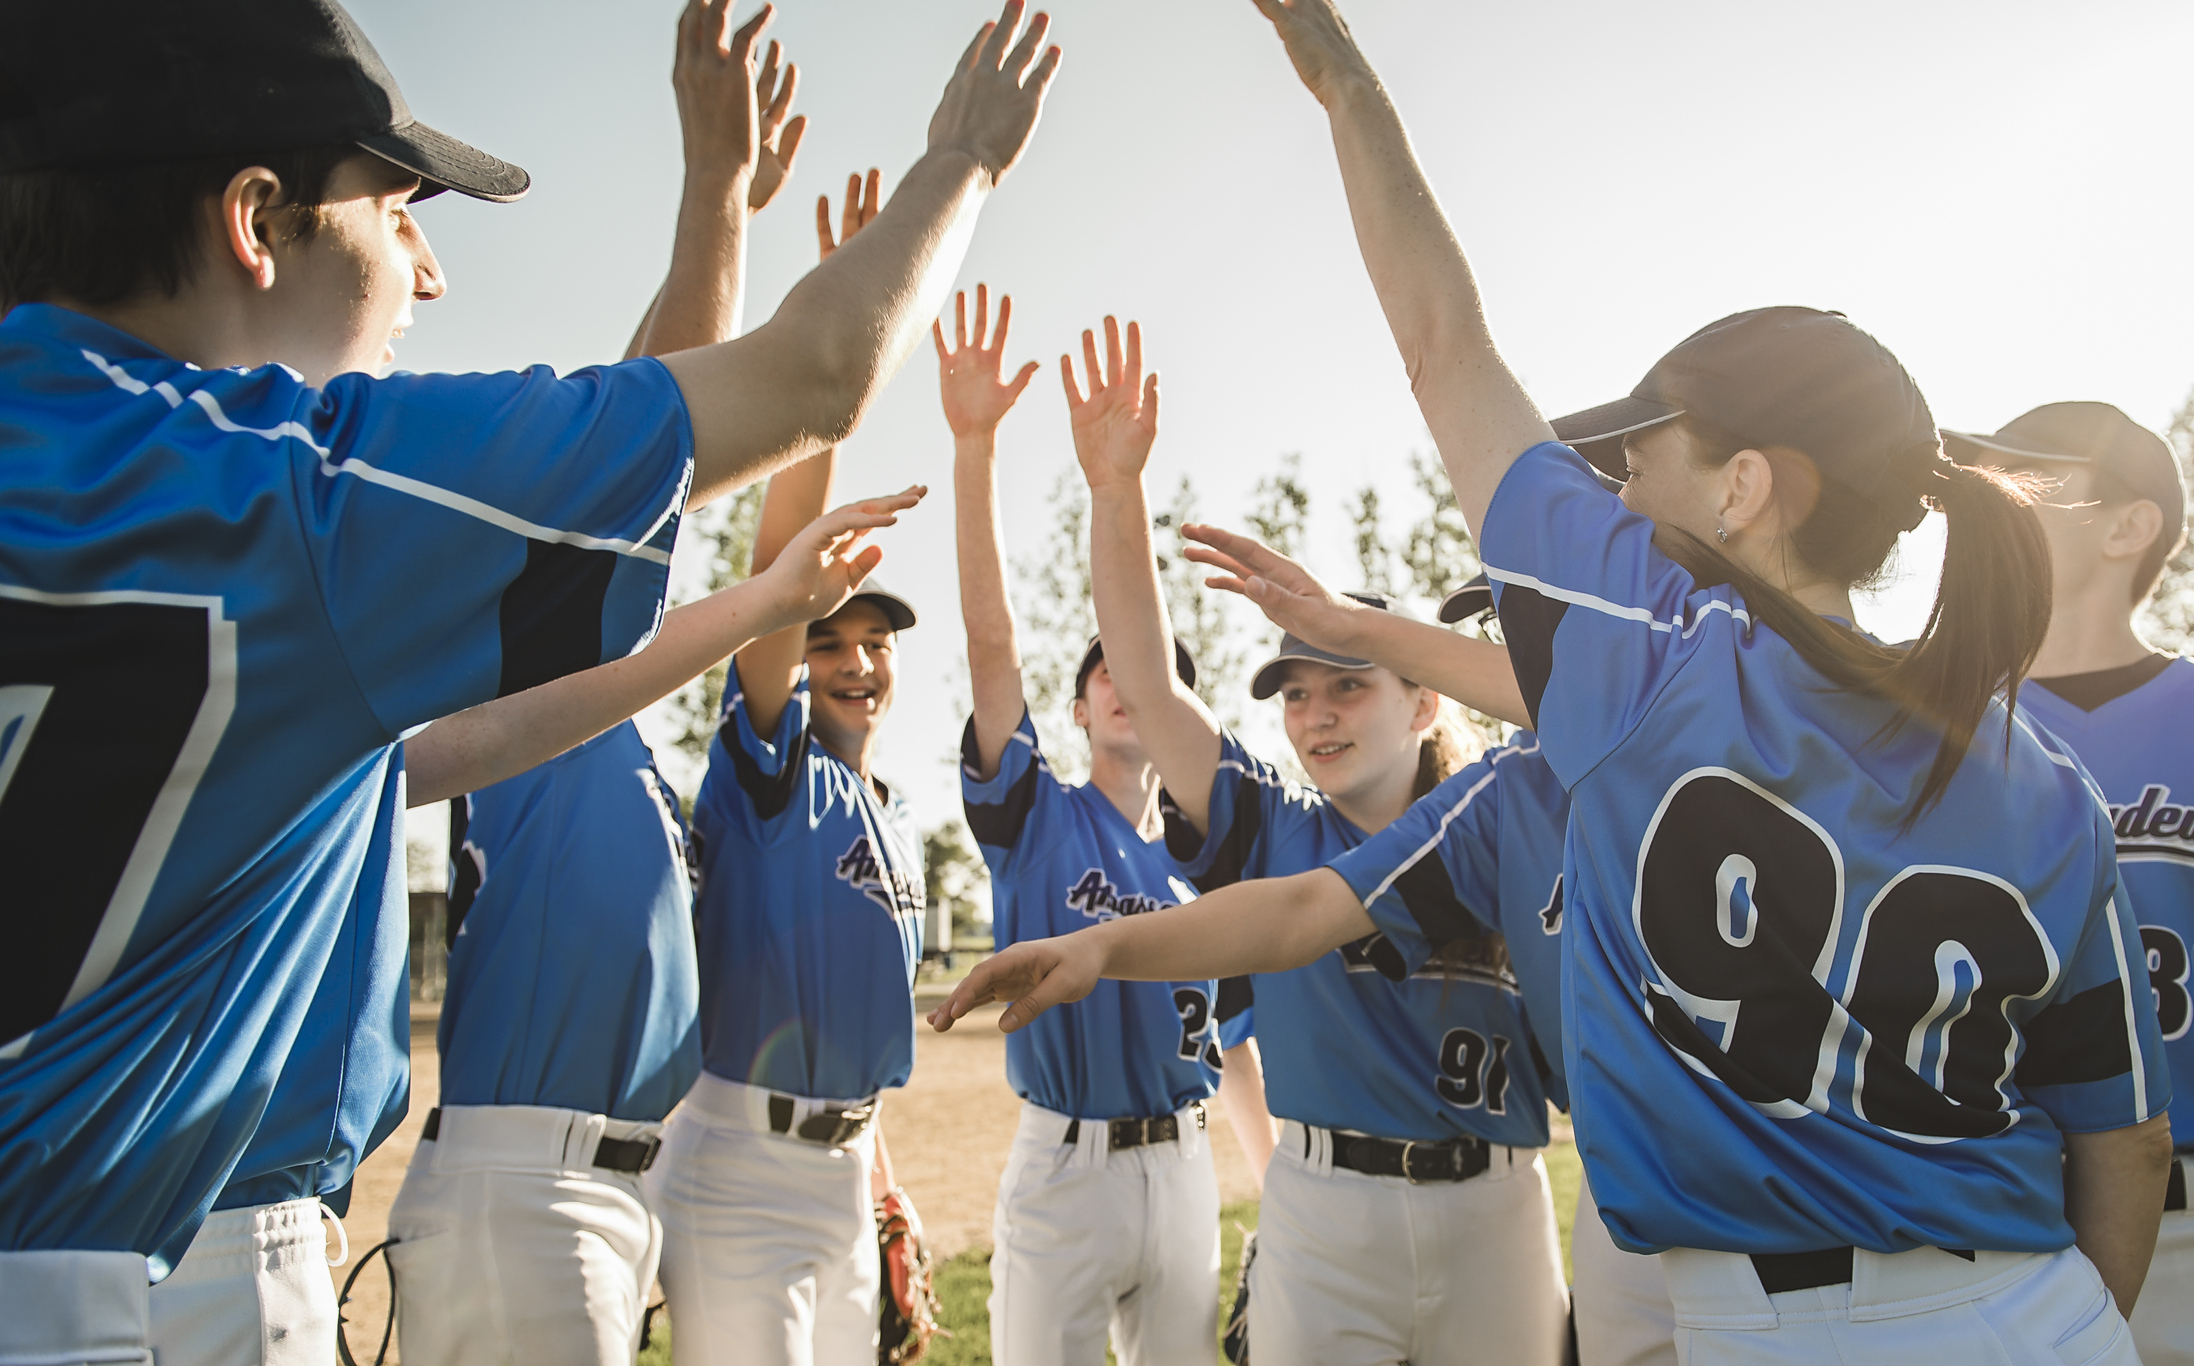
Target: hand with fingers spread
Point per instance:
(1319, 44)
(777, 140)
(970, 375)
(862, 203)
(1115, 426)
(991, 105)
(1290, 596)
(714, 78)
(822, 567)
(1035, 974)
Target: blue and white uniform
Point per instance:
(1789, 1024)
(224, 595)
(1358, 1044)
(569, 1030)
(1089, 1237)
(809, 914)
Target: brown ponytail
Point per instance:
(1990, 613)
(1448, 746)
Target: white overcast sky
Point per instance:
(1997, 190)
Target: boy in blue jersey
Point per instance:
(2117, 516)
(203, 531)
(1108, 1207)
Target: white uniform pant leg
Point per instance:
(2163, 1317)
(514, 1250)
(1920, 1308)
(62, 1308)
(1623, 1314)
(1356, 1270)
(769, 1243)
(1090, 1245)
(253, 1290)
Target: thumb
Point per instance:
(864, 564)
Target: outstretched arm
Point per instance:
(1113, 431)
(1479, 415)
(1475, 673)
(1264, 925)
(493, 741)
(977, 398)
(802, 380)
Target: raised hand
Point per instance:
(1035, 974)
(823, 566)
(970, 375)
(777, 142)
(1290, 596)
(991, 105)
(862, 202)
(1115, 426)
(1319, 44)
(714, 79)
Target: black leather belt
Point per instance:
(631, 1156)
(831, 1128)
(1780, 1271)
(2175, 1193)
(1136, 1132)
(1456, 1159)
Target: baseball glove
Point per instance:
(909, 1316)
(1235, 1342)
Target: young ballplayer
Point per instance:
(1855, 1025)
(2116, 516)
(202, 531)
(1108, 1207)
(1406, 1214)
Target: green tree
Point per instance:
(1437, 552)
(958, 878)
(727, 528)
(2167, 621)
(1205, 619)
(1051, 598)
(1279, 508)
(1374, 557)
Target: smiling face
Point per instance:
(850, 656)
(344, 293)
(1356, 731)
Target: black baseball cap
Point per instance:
(1795, 377)
(2092, 434)
(1184, 663)
(898, 612)
(1473, 599)
(134, 81)
(1266, 681)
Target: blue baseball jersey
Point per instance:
(1788, 1022)
(2140, 754)
(1482, 850)
(1357, 1040)
(224, 595)
(809, 913)
(572, 978)
(1063, 858)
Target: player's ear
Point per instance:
(2133, 530)
(250, 193)
(1081, 712)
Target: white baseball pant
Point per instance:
(769, 1241)
(1088, 1240)
(1356, 1270)
(253, 1290)
(2163, 1317)
(1925, 1307)
(71, 1307)
(512, 1247)
(1619, 1299)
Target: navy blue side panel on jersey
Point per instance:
(347, 1081)
(1355, 1040)
(810, 913)
(1484, 848)
(2138, 748)
(223, 596)
(1788, 1025)
(572, 977)
(1062, 859)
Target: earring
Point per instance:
(1720, 534)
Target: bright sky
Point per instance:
(1994, 189)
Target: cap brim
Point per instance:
(1266, 681)
(898, 612)
(1470, 600)
(444, 163)
(1597, 433)
(2003, 447)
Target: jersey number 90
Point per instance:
(1740, 903)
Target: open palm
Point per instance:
(971, 373)
(1115, 426)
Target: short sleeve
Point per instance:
(2094, 1057)
(999, 808)
(1597, 619)
(1433, 876)
(1246, 794)
(1236, 1010)
(477, 535)
(768, 769)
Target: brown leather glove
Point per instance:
(908, 1318)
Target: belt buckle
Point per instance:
(1409, 1150)
(654, 1146)
(1132, 1132)
(833, 1128)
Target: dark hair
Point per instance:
(1991, 610)
(1441, 754)
(105, 234)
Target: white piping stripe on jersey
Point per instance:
(1439, 833)
(1616, 609)
(455, 502)
(2127, 980)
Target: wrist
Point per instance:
(713, 182)
(962, 160)
(1117, 489)
(976, 441)
(1352, 90)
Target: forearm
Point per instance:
(703, 293)
(2114, 1200)
(1267, 925)
(993, 649)
(1242, 1094)
(1476, 673)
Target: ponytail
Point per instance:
(1991, 610)
(1449, 745)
